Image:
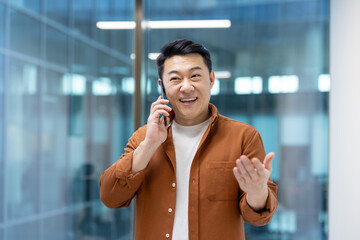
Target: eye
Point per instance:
(174, 79)
(195, 76)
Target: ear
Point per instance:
(212, 79)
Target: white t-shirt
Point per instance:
(186, 141)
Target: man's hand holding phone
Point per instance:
(156, 132)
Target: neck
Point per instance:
(191, 122)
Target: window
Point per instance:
(274, 52)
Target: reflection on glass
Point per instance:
(82, 12)
(53, 140)
(122, 41)
(57, 10)
(28, 230)
(21, 136)
(54, 227)
(24, 34)
(104, 12)
(84, 58)
(2, 25)
(56, 47)
(275, 52)
(65, 119)
(33, 5)
(105, 65)
(2, 117)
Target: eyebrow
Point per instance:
(191, 69)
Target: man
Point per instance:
(201, 175)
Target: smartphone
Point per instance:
(163, 96)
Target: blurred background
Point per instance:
(66, 105)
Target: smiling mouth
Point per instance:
(188, 100)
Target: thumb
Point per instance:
(267, 161)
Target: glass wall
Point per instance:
(65, 117)
(272, 71)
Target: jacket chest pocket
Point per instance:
(221, 184)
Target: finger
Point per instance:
(156, 115)
(249, 167)
(160, 107)
(268, 161)
(241, 169)
(238, 176)
(159, 101)
(259, 167)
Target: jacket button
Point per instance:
(170, 210)
(167, 235)
(173, 185)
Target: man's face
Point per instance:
(187, 84)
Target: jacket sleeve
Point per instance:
(254, 147)
(118, 185)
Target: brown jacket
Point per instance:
(217, 206)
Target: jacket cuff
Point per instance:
(124, 174)
(262, 217)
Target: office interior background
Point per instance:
(66, 112)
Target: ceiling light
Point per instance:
(185, 24)
(222, 74)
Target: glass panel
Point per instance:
(22, 140)
(53, 142)
(122, 40)
(55, 228)
(57, 10)
(24, 27)
(274, 54)
(77, 137)
(82, 14)
(109, 112)
(104, 12)
(28, 230)
(62, 129)
(2, 24)
(82, 223)
(84, 59)
(2, 143)
(104, 66)
(56, 47)
(33, 5)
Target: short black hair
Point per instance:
(181, 47)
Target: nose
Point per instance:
(186, 85)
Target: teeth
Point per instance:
(188, 99)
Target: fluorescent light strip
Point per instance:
(189, 24)
(151, 56)
(185, 24)
(222, 74)
(283, 84)
(248, 85)
(116, 25)
(324, 83)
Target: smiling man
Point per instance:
(201, 175)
